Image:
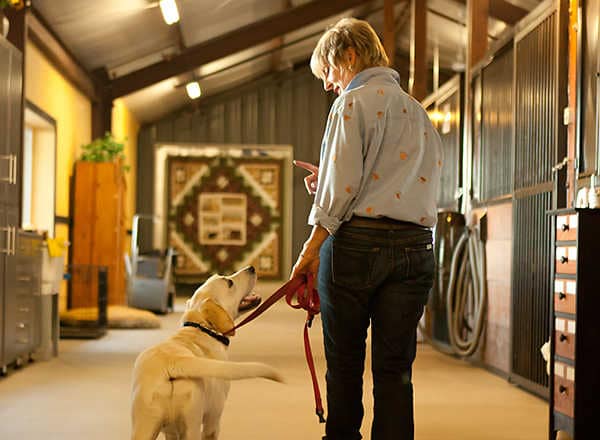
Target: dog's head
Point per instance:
(221, 298)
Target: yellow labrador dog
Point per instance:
(180, 385)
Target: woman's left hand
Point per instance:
(308, 262)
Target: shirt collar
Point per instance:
(384, 74)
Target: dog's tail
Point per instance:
(196, 368)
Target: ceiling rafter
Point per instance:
(503, 11)
(230, 43)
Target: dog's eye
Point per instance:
(230, 282)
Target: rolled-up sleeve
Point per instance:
(341, 167)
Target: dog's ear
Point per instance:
(216, 316)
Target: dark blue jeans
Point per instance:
(380, 278)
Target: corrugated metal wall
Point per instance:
(446, 106)
(531, 286)
(496, 151)
(536, 105)
(289, 108)
(536, 121)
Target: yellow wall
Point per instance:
(72, 111)
(125, 128)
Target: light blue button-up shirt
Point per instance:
(380, 155)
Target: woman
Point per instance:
(371, 242)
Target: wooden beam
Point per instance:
(17, 30)
(53, 48)
(503, 11)
(418, 50)
(102, 106)
(477, 28)
(389, 30)
(230, 43)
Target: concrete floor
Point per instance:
(84, 393)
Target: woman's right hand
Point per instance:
(311, 180)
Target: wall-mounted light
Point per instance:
(169, 11)
(193, 89)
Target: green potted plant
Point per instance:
(104, 149)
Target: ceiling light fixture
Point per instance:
(193, 89)
(169, 11)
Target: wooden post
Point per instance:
(573, 77)
(102, 106)
(477, 26)
(389, 30)
(418, 50)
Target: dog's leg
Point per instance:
(145, 431)
(211, 426)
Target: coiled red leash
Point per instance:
(307, 298)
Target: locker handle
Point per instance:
(563, 337)
(8, 250)
(24, 279)
(21, 325)
(561, 296)
(23, 309)
(565, 227)
(564, 260)
(14, 159)
(562, 389)
(11, 168)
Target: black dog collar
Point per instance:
(219, 337)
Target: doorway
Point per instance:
(39, 171)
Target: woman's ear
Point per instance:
(351, 57)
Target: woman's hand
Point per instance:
(311, 180)
(308, 262)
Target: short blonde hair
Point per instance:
(348, 33)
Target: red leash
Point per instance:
(307, 298)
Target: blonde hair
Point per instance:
(348, 33)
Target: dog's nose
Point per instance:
(251, 269)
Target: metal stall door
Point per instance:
(538, 137)
(445, 110)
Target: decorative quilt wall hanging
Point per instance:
(225, 210)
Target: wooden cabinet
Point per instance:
(575, 365)
(98, 233)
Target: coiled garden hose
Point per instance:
(466, 294)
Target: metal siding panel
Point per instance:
(145, 183)
(182, 127)
(165, 130)
(200, 131)
(216, 124)
(536, 76)
(233, 121)
(250, 118)
(497, 119)
(451, 144)
(531, 286)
